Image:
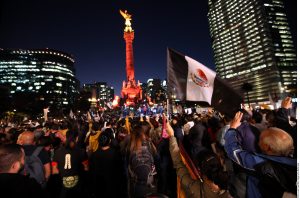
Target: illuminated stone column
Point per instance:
(129, 36)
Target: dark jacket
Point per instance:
(198, 138)
(15, 185)
(252, 161)
(282, 122)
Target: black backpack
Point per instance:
(277, 178)
(141, 168)
(34, 166)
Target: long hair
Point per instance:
(211, 167)
(136, 138)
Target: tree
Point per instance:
(28, 103)
(82, 101)
(5, 100)
(247, 87)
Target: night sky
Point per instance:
(92, 31)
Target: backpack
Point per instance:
(34, 166)
(141, 168)
(277, 178)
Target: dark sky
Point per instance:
(92, 31)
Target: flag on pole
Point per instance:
(190, 80)
(189, 164)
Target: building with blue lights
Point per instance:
(48, 74)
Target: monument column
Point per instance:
(131, 91)
(129, 36)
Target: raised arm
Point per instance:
(191, 186)
(233, 147)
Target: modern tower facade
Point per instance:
(49, 74)
(252, 44)
(103, 92)
(155, 90)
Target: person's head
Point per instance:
(12, 158)
(45, 141)
(212, 169)
(271, 118)
(3, 138)
(226, 119)
(147, 128)
(26, 138)
(110, 132)
(174, 121)
(274, 141)
(257, 117)
(104, 139)
(54, 127)
(71, 139)
(96, 126)
(108, 124)
(246, 116)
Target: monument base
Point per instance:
(131, 93)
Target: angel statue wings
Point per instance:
(127, 18)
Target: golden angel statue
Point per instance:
(127, 18)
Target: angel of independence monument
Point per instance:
(131, 91)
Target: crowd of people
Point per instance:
(179, 155)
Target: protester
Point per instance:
(274, 172)
(283, 121)
(197, 138)
(93, 138)
(69, 161)
(106, 169)
(141, 166)
(209, 186)
(38, 168)
(13, 184)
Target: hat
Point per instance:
(104, 139)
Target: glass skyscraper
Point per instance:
(104, 93)
(252, 43)
(48, 73)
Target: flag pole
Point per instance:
(168, 108)
(169, 89)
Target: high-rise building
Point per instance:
(49, 74)
(156, 90)
(252, 44)
(103, 92)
